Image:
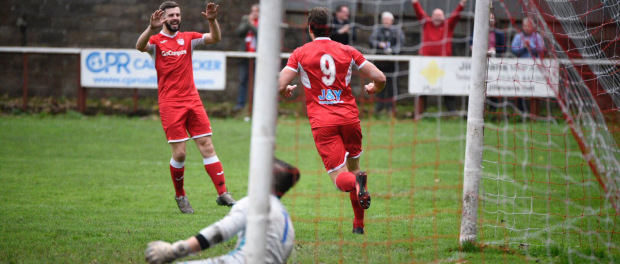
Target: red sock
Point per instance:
(216, 172)
(177, 180)
(345, 181)
(358, 211)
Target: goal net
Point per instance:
(551, 163)
(549, 187)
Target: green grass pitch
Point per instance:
(97, 189)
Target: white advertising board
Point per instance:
(126, 68)
(506, 76)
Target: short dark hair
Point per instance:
(168, 4)
(339, 8)
(319, 21)
(284, 176)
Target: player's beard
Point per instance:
(169, 27)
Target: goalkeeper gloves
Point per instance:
(159, 252)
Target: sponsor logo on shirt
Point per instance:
(173, 53)
(329, 96)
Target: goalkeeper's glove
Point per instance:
(159, 252)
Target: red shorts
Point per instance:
(337, 143)
(180, 118)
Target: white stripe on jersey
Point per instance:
(303, 75)
(361, 65)
(348, 77)
(198, 41)
(291, 68)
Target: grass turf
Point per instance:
(96, 189)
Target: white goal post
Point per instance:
(548, 182)
(475, 124)
(263, 137)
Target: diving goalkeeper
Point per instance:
(280, 233)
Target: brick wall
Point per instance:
(95, 24)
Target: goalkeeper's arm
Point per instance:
(163, 252)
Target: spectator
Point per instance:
(342, 31)
(527, 44)
(247, 30)
(437, 36)
(387, 39)
(497, 39)
(496, 48)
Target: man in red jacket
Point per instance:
(437, 34)
(437, 30)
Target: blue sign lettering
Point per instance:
(96, 62)
(140, 64)
(207, 65)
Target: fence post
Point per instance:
(81, 98)
(25, 81)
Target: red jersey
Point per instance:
(325, 70)
(437, 41)
(173, 63)
(250, 38)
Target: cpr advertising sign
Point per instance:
(126, 68)
(505, 76)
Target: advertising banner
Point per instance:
(126, 68)
(505, 76)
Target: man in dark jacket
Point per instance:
(342, 30)
(248, 31)
(387, 39)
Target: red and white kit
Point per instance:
(325, 68)
(180, 107)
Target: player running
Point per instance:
(280, 232)
(180, 107)
(325, 69)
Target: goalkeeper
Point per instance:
(280, 233)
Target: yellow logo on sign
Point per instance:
(432, 72)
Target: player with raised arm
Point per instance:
(325, 68)
(280, 232)
(180, 107)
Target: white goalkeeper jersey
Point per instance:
(280, 233)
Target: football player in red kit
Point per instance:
(180, 107)
(325, 69)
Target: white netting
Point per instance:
(551, 165)
(550, 178)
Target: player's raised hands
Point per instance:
(157, 19)
(288, 91)
(211, 12)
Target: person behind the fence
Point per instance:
(527, 44)
(387, 39)
(247, 31)
(342, 29)
(437, 32)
